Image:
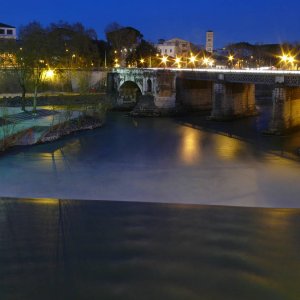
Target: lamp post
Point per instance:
(286, 60)
(164, 60)
(193, 60)
(178, 62)
(230, 60)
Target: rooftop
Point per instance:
(6, 26)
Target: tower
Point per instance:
(209, 41)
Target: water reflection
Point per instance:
(191, 149)
(228, 148)
(54, 249)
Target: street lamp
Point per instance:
(192, 60)
(164, 60)
(49, 74)
(287, 59)
(178, 62)
(142, 61)
(206, 61)
(230, 60)
(117, 65)
(292, 62)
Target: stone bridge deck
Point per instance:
(254, 76)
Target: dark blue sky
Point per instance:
(262, 21)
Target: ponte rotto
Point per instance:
(228, 94)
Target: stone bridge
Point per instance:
(227, 93)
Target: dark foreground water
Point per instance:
(51, 249)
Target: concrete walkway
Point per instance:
(15, 121)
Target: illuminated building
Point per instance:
(174, 47)
(8, 32)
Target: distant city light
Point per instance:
(230, 57)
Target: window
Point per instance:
(166, 50)
(171, 50)
(9, 31)
(2, 31)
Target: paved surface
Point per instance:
(28, 115)
(19, 121)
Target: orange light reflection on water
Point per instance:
(191, 150)
(228, 148)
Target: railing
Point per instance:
(214, 70)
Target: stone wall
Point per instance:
(88, 80)
(64, 81)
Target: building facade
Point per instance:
(209, 41)
(174, 47)
(8, 31)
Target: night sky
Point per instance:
(256, 21)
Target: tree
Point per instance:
(59, 46)
(24, 72)
(259, 54)
(112, 27)
(73, 45)
(105, 53)
(34, 55)
(143, 55)
(124, 38)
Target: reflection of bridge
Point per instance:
(228, 93)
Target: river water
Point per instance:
(182, 160)
(194, 210)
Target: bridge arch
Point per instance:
(129, 92)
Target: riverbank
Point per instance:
(28, 128)
(80, 124)
(53, 99)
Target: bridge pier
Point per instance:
(286, 109)
(232, 100)
(165, 93)
(194, 94)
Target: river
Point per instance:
(187, 209)
(169, 160)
